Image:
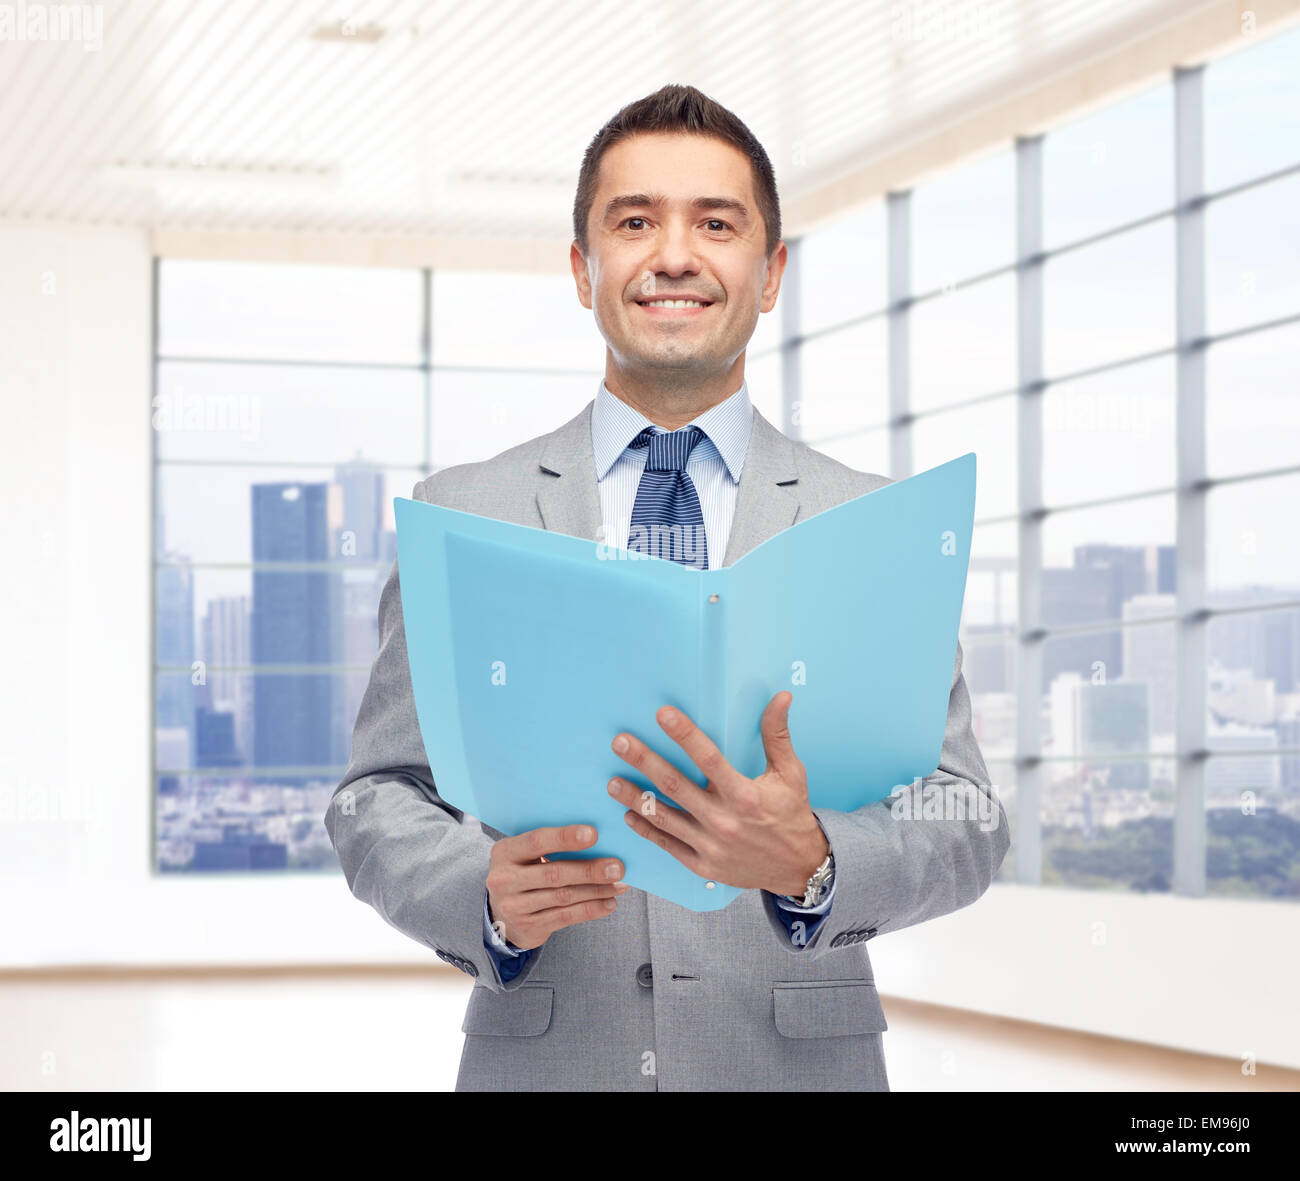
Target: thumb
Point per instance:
(775, 729)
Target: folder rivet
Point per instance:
(709, 885)
(713, 598)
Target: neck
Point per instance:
(673, 406)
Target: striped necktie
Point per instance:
(666, 518)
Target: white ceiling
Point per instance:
(456, 118)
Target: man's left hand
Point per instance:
(751, 833)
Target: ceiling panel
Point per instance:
(470, 119)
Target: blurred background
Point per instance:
(264, 266)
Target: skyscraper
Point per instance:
(361, 540)
(225, 634)
(174, 643)
(362, 520)
(295, 621)
(1150, 657)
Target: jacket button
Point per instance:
(645, 976)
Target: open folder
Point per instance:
(530, 650)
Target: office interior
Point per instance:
(264, 267)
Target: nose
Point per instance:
(675, 252)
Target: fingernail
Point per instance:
(613, 871)
(609, 904)
(670, 716)
(620, 745)
(584, 834)
(613, 787)
(620, 886)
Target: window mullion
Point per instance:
(1029, 434)
(899, 287)
(1190, 554)
(792, 342)
(426, 362)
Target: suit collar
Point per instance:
(767, 499)
(726, 427)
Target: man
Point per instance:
(582, 983)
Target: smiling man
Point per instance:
(582, 983)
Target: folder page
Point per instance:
(855, 611)
(529, 650)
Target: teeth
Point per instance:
(673, 303)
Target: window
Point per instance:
(1252, 112)
(1252, 297)
(292, 403)
(964, 343)
(1253, 255)
(830, 293)
(1110, 168)
(842, 381)
(1068, 360)
(964, 223)
(1109, 301)
(297, 401)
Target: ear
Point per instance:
(773, 275)
(578, 264)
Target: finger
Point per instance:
(665, 817)
(684, 792)
(700, 749)
(558, 917)
(669, 844)
(529, 846)
(552, 874)
(775, 729)
(534, 902)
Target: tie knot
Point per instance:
(669, 450)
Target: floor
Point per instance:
(399, 1029)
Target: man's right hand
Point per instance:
(530, 899)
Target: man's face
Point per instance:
(675, 216)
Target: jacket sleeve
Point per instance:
(418, 861)
(930, 848)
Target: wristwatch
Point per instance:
(818, 884)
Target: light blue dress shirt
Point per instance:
(714, 467)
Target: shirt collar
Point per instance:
(614, 424)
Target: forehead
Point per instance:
(681, 166)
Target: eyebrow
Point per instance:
(657, 200)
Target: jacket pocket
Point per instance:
(522, 1012)
(835, 1008)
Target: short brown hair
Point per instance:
(684, 109)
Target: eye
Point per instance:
(628, 219)
(718, 221)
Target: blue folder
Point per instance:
(529, 650)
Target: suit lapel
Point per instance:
(570, 503)
(767, 498)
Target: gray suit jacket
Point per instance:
(654, 996)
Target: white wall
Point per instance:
(75, 483)
(1216, 976)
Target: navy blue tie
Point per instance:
(666, 518)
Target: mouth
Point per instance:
(675, 307)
